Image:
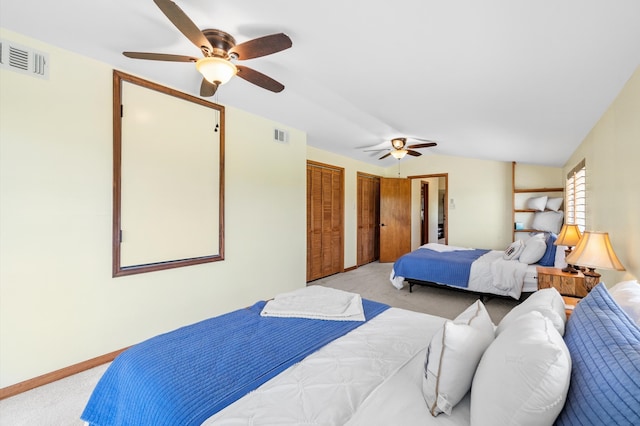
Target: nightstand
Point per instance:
(567, 284)
(570, 303)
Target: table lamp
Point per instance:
(569, 236)
(594, 251)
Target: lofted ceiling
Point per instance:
(508, 80)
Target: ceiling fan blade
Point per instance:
(160, 57)
(208, 88)
(185, 25)
(384, 156)
(414, 153)
(261, 46)
(259, 79)
(423, 145)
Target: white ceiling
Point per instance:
(507, 80)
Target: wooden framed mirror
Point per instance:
(168, 178)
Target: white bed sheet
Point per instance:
(373, 372)
(481, 281)
(490, 273)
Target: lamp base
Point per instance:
(591, 279)
(570, 269)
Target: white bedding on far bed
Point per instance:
(351, 380)
(490, 273)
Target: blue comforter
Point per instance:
(185, 376)
(451, 267)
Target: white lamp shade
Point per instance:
(399, 153)
(569, 235)
(216, 70)
(595, 251)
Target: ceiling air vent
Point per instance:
(280, 135)
(23, 59)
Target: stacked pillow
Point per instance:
(627, 296)
(547, 302)
(453, 355)
(549, 221)
(544, 203)
(549, 256)
(523, 377)
(513, 251)
(534, 249)
(537, 249)
(554, 203)
(519, 377)
(537, 203)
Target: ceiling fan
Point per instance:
(219, 49)
(399, 148)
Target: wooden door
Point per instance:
(395, 218)
(325, 220)
(368, 212)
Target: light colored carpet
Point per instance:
(372, 282)
(60, 403)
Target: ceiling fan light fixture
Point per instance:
(399, 153)
(398, 143)
(216, 70)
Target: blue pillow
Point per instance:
(605, 351)
(549, 256)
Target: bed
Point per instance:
(377, 372)
(508, 272)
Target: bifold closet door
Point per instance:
(325, 220)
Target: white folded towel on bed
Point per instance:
(316, 302)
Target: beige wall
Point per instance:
(479, 198)
(612, 153)
(58, 302)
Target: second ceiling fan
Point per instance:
(219, 49)
(399, 148)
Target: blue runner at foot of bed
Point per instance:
(185, 376)
(450, 267)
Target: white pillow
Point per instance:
(627, 296)
(554, 203)
(452, 358)
(513, 251)
(547, 301)
(537, 203)
(534, 249)
(523, 377)
(548, 221)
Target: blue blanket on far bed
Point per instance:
(185, 376)
(450, 267)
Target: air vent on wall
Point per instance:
(280, 135)
(23, 59)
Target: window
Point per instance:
(576, 190)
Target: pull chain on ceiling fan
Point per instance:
(219, 49)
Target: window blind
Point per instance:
(576, 190)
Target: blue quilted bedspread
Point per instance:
(185, 376)
(605, 352)
(451, 267)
